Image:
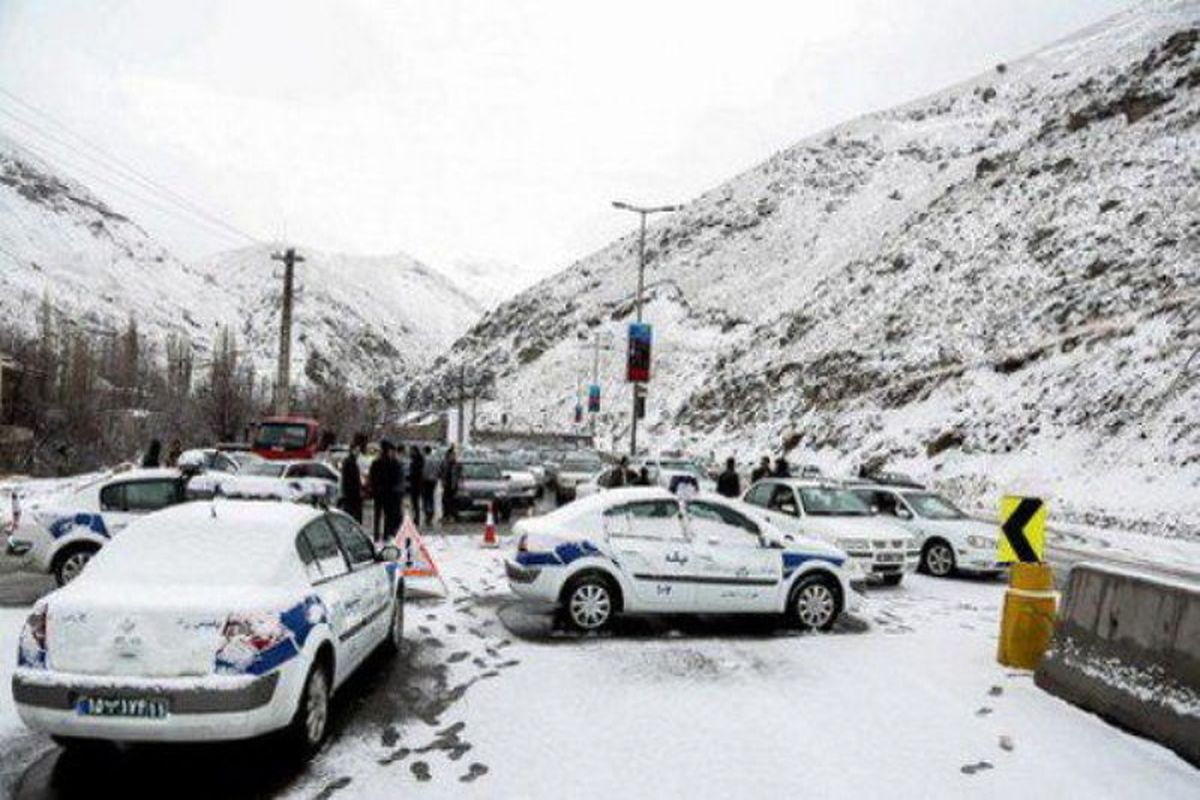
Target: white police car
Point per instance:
(949, 540)
(645, 550)
(209, 620)
(61, 534)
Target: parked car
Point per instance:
(832, 512)
(482, 484)
(573, 471)
(609, 478)
(210, 621)
(306, 472)
(670, 472)
(208, 459)
(523, 487)
(61, 535)
(645, 550)
(949, 540)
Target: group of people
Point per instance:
(729, 483)
(153, 456)
(391, 478)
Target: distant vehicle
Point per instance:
(523, 487)
(670, 472)
(287, 438)
(482, 484)
(210, 622)
(305, 472)
(573, 471)
(608, 478)
(209, 458)
(60, 536)
(948, 539)
(646, 551)
(830, 511)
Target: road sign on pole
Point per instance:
(594, 398)
(638, 364)
(1023, 530)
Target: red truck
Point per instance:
(287, 438)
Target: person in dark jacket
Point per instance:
(763, 470)
(387, 490)
(451, 474)
(153, 456)
(429, 481)
(416, 482)
(782, 469)
(643, 477)
(173, 453)
(624, 476)
(352, 499)
(728, 482)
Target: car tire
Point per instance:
(394, 642)
(83, 747)
(892, 579)
(937, 559)
(310, 725)
(590, 601)
(71, 560)
(815, 603)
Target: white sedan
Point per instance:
(950, 541)
(209, 620)
(646, 550)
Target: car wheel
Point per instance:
(938, 559)
(310, 725)
(395, 638)
(816, 603)
(70, 563)
(590, 602)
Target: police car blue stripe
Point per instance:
(792, 561)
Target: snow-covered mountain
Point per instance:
(995, 285)
(363, 320)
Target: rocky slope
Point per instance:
(994, 286)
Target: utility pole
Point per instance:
(643, 212)
(462, 399)
(283, 389)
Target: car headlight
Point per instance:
(981, 542)
(853, 544)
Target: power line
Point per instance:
(122, 168)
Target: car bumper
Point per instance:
(879, 565)
(198, 709)
(532, 582)
(978, 561)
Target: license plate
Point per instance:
(890, 558)
(130, 707)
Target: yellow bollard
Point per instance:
(1027, 623)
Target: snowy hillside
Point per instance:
(361, 319)
(994, 285)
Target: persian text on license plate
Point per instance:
(890, 558)
(134, 707)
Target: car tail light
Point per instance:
(246, 637)
(32, 650)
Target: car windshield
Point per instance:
(576, 465)
(828, 501)
(480, 471)
(266, 469)
(279, 434)
(932, 506)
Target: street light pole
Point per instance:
(643, 212)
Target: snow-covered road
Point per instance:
(488, 701)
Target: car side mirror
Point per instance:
(389, 553)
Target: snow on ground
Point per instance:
(911, 703)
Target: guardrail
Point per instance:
(1127, 647)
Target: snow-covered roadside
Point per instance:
(915, 705)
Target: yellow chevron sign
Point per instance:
(1022, 529)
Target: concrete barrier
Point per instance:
(1127, 647)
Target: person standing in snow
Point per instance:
(782, 469)
(728, 482)
(451, 473)
(429, 480)
(173, 453)
(352, 499)
(153, 456)
(643, 477)
(763, 470)
(416, 482)
(387, 479)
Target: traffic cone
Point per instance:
(489, 529)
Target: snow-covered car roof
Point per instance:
(212, 542)
(261, 487)
(147, 473)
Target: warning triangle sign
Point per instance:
(417, 561)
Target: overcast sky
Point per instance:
(489, 130)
